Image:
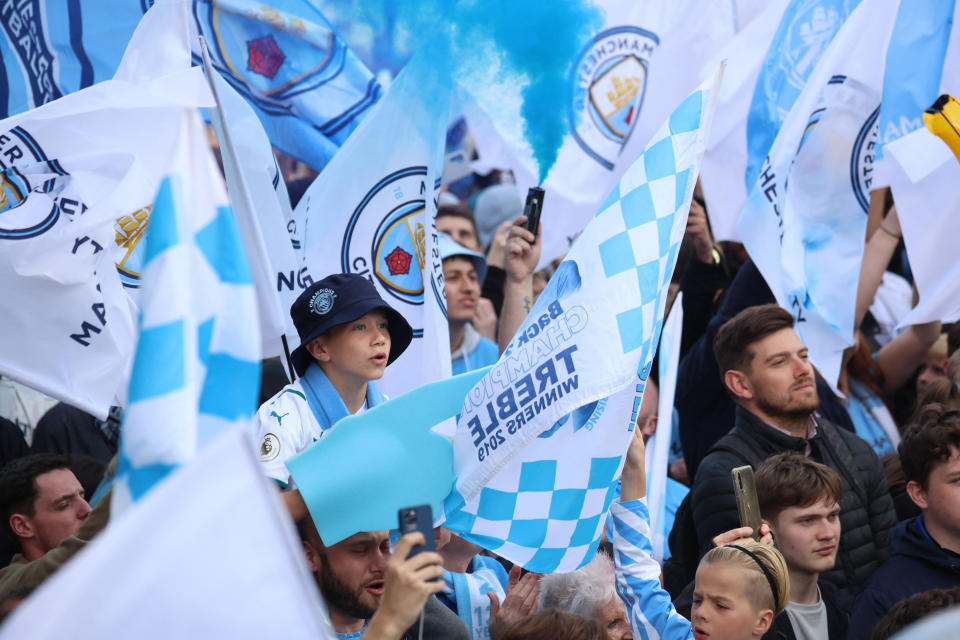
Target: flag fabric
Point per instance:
(805, 219)
(806, 29)
(658, 447)
(371, 212)
(223, 562)
(196, 371)
(80, 174)
(540, 440)
(262, 205)
(50, 48)
(725, 161)
(924, 173)
(643, 61)
(913, 67)
(308, 88)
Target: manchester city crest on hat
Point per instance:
(322, 301)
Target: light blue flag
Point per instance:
(308, 88)
(914, 65)
(540, 439)
(196, 372)
(50, 48)
(806, 30)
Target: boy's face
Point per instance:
(808, 536)
(357, 349)
(461, 288)
(940, 500)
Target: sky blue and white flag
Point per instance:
(196, 372)
(642, 61)
(806, 29)
(371, 212)
(725, 161)
(540, 440)
(50, 48)
(222, 552)
(805, 220)
(80, 175)
(924, 176)
(259, 197)
(913, 68)
(308, 88)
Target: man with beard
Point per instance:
(765, 368)
(375, 595)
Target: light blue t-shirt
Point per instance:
(476, 352)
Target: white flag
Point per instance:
(371, 212)
(642, 62)
(260, 200)
(223, 562)
(805, 220)
(80, 174)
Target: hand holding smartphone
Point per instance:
(532, 209)
(745, 489)
(418, 518)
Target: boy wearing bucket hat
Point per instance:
(348, 335)
(463, 271)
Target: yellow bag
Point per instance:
(943, 120)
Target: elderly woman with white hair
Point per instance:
(590, 591)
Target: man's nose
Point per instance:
(84, 509)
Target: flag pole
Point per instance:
(286, 354)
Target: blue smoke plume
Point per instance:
(527, 43)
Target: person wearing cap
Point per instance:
(463, 270)
(348, 336)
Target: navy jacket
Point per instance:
(918, 564)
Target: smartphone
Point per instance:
(532, 209)
(745, 489)
(418, 518)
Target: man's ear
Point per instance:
(764, 621)
(21, 526)
(313, 558)
(917, 494)
(318, 349)
(738, 384)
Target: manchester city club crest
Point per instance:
(322, 301)
(130, 231)
(385, 238)
(29, 171)
(609, 80)
(862, 159)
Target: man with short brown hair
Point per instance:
(765, 368)
(800, 500)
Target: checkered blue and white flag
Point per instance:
(196, 371)
(540, 439)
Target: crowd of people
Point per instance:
(859, 491)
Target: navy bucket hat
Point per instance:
(336, 300)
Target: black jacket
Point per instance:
(703, 404)
(918, 564)
(837, 619)
(866, 510)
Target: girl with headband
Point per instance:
(740, 588)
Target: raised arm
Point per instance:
(637, 573)
(521, 256)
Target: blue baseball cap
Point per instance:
(449, 248)
(336, 300)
